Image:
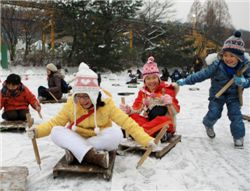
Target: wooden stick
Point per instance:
(53, 96)
(35, 148)
(40, 115)
(123, 102)
(150, 149)
(228, 84)
(240, 91)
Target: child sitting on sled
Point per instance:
(157, 100)
(231, 59)
(90, 134)
(15, 99)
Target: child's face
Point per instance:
(151, 82)
(84, 100)
(12, 86)
(48, 72)
(230, 59)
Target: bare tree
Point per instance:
(217, 19)
(155, 10)
(195, 13)
(10, 28)
(152, 16)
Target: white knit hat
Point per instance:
(51, 67)
(86, 82)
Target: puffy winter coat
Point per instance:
(152, 98)
(54, 83)
(19, 99)
(104, 116)
(219, 77)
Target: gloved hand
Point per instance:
(31, 132)
(125, 108)
(240, 81)
(166, 99)
(146, 101)
(152, 144)
(181, 82)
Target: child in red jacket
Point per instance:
(15, 99)
(157, 100)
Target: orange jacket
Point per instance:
(145, 94)
(23, 97)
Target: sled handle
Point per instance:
(150, 149)
(35, 148)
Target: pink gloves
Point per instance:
(125, 108)
(166, 99)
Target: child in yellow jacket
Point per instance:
(83, 138)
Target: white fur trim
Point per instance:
(247, 56)
(211, 58)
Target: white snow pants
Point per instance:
(108, 139)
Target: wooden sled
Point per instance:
(13, 178)
(13, 125)
(130, 145)
(63, 100)
(125, 93)
(62, 166)
(246, 117)
(116, 85)
(194, 89)
(132, 86)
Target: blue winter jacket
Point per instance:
(219, 77)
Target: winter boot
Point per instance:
(166, 137)
(100, 158)
(69, 157)
(210, 132)
(239, 143)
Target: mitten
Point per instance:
(31, 132)
(166, 99)
(152, 144)
(146, 102)
(125, 108)
(240, 81)
(181, 82)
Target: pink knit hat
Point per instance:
(86, 82)
(150, 68)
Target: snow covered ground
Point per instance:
(196, 163)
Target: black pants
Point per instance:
(42, 92)
(15, 115)
(157, 111)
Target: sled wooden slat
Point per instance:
(62, 166)
(130, 145)
(13, 125)
(64, 100)
(13, 178)
(246, 117)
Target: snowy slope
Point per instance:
(197, 163)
